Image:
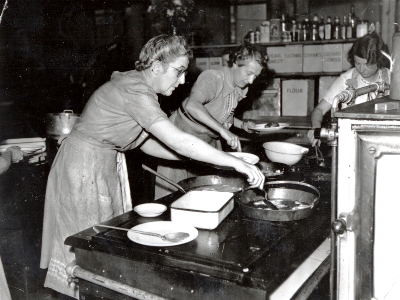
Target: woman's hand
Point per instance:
(245, 126)
(314, 142)
(16, 153)
(231, 139)
(254, 176)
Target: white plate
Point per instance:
(261, 127)
(247, 157)
(161, 227)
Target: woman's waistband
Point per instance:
(87, 139)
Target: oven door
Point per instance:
(368, 250)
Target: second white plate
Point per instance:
(261, 127)
(162, 227)
(247, 157)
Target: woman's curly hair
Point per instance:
(368, 47)
(164, 48)
(248, 51)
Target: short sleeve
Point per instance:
(144, 108)
(337, 87)
(209, 84)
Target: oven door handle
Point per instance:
(345, 222)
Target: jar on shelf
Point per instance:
(362, 28)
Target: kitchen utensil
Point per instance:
(171, 237)
(295, 200)
(164, 178)
(264, 199)
(60, 124)
(284, 152)
(265, 127)
(247, 157)
(162, 227)
(319, 156)
(150, 209)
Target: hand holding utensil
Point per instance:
(171, 237)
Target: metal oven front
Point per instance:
(368, 206)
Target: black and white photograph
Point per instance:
(195, 149)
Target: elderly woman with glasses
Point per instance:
(87, 183)
(208, 112)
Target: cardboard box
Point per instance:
(325, 83)
(297, 97)
(332, 57)
(294, 58)
(276, 59)
(312, 58)
(345, 63)
(202, 63)
(215, 62)
(268, 103)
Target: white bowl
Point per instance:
(150, 209)
(283, 152)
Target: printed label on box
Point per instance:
(345, 63)
(215, 62)
(297, 97)
(332, 57)
(276, 59)
(293, 58)
(312, 58)
(202, 63)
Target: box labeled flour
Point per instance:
(297, 97)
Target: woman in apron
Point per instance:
(87, 183)
(208, 112)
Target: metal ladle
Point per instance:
(171, 237)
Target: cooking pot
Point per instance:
(60, 124)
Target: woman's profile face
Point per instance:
(174, 75)
(246, 74)
(367, 71)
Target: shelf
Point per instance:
(276, 44)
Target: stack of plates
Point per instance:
(29, 146)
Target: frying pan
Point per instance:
(280, 192)
(225, 183)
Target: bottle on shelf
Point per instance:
(293, 32)
(328, 28)
(299, 32)
(352, 22)
(321, 28)
(343, 28)
(305, 30)
(336, 29)
(314, 29)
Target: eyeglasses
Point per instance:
(179, 72)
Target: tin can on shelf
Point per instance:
(362, 28)
(275, 30)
